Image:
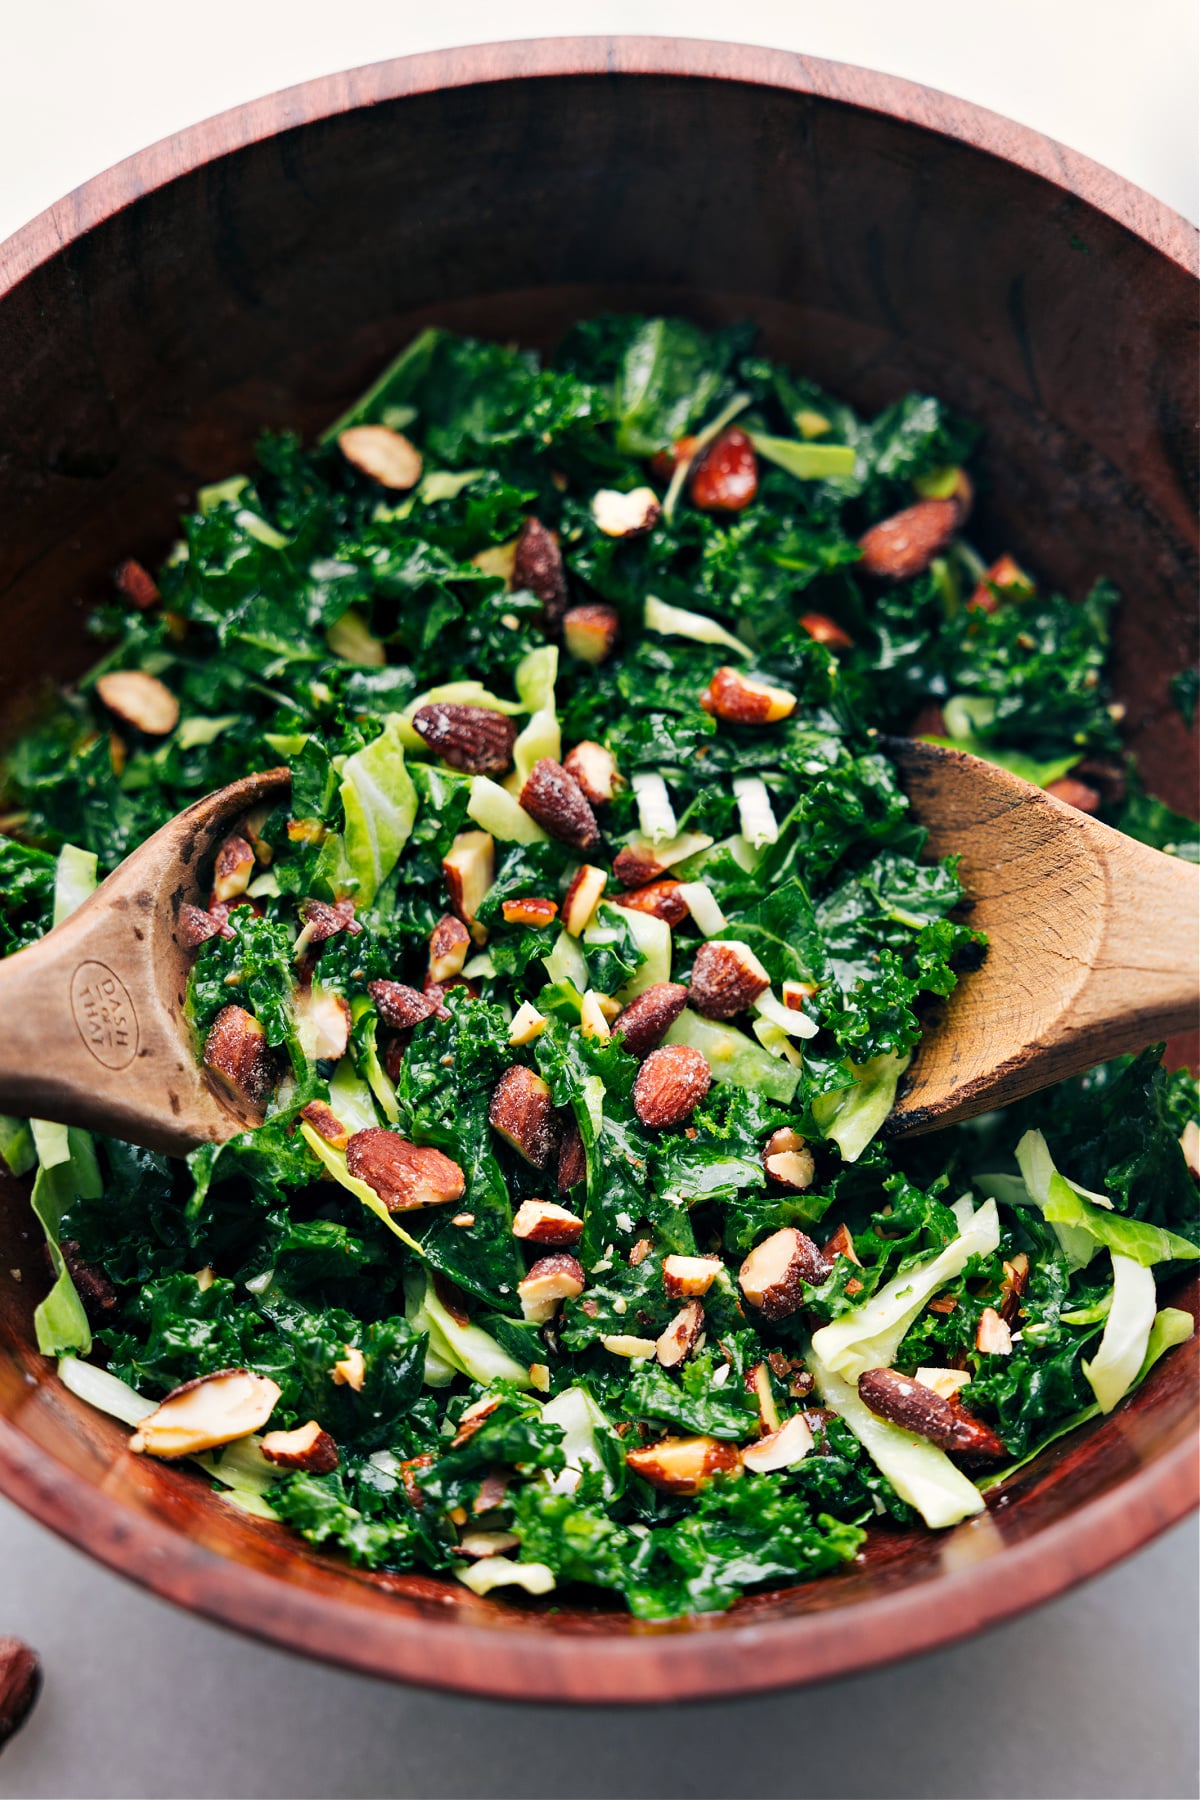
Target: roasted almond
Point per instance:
(136, 584)
(522, 1112)
(538, 569)
(590, 632)
(670, 1085)
(558, 804)
(638, 1254)
(780, 1449)
(683, 1465)
(200, 1415)
(620, 515)
(542, 1222)
(724, 477)
(470, 868)
(322, 921)
(20, 1684)
(326, 1123)
(660, 899)
(904, 1401)
(740, 700)
(141, 700)
(758, 1383)
(308, 1448)
(1005, 580)
(644, 1023)
(679, 1339)
(840, 1244)
(401, 1006)
(404, 1175)
(583, 897)
(1016, 1280)
(323, 1023)
(477, 739)
(595, 769)
(95, 1290)
(663, 463)
(550, 1280)
(531, 909)
(572, 1158)
(992, 1334)
(636, 865)
(777, 1271)
(350, 1370)
(788, 1160)
(232, 869)
(449, 942)
(826, 631)
(1074, 793)
(903, 546)
(687, 1277)
(237, 1053)
(726, 978)
(196, 926)
(384, 455)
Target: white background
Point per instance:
(1094, 1696)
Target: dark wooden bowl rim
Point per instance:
(493, 1650)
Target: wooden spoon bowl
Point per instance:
(258, 270)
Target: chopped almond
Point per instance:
(236, 1052)
(687, 1277)
(993, 1336)
(944, 1382)
(899, 548)
(726, 978)
(683, 1465)
(477, 1544)
(400, 1006)
(841, 1244)
(775, 1274)
(386, 456)
(758, 1383)
(215, 1409)
(136, 584)
(141, 700)
(233, 868)
(679, 1339)
(542, 1222)
(742, 701)
(528, 1023)
(326, 1124)
(661, 899)
(724, 476)
(621, 515)
(637, 1349)
(308, 1447)
(350, 1370)
(788, 1160)
(593, 1020)
(550, 1280)
(826, 631)
(323, 1023)
(595, 769)
(522, 1113)
(449, 942)
(590, 632)
(781, 1449)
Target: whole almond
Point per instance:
(904, 1401)
(660, 899)
(726, 978)
(522, 1112)
(558, 804)
(903, 546)
(137, 585)
(538, 568)
(724, 477)
(476, 739)
(645, 1022)
(404, 1175)
(401, 1006)
(670, 1085)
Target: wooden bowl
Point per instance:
(257, 270)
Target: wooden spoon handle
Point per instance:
(1144, 981)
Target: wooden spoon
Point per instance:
(1092, 940)
(92, 1027)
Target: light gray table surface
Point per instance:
(1092, 1696)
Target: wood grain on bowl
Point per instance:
(256, 270)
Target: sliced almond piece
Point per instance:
(470, 869)
(683, 1465)
(233, 868)
(626, 515)
(583, 897)
(550, 1280)
(788, 1160)
(726, 978)
(477, 1544)
(542, 1222)
(680, 1337)
(595, 769)
(386, 456)
(781, 1449)
(449, 942)
(236, 1052)
(326, 1124)
(590, 632)
(670, 1085)
(308, 1447)
(522, 1113)
(528, 1023)
(141, 700)
(200, 1415)
(1016, 1280)
(841, 1244)
(775, 1274)
(740, 700)
(992, 1335)
(945, 1382)
(350, 1370)
(687, 1277)
(404, 1175)
(636, 1349)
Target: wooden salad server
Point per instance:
(1093, 940)
(92, 1024)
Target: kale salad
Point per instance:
(575, 980)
